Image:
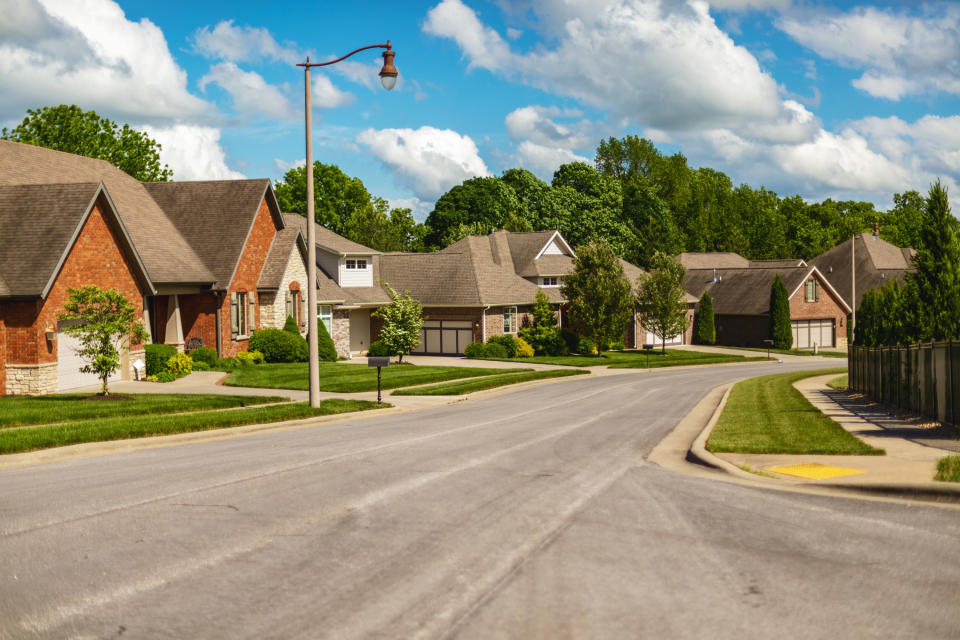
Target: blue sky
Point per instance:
(842, 100)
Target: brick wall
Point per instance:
(198, 318)
(96, 258)
(247, 275)
(3, 354)
(825, 307)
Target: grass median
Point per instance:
(768, 415)
(948, 469)
(351, 378)
(30, 438)
(638, 359)
(460, 387)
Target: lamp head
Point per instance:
(388, 74)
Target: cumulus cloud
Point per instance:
(900, 54)
(193, 152)
(742, 5)
(428, 161)
(225, 41)
(88, 53)
(544, 160)
(326, 95)
(538, 124)
(419, 209)
(251, 94)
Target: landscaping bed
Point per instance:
(470, 385)
(768, 415)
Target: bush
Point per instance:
(156, 355)
(226, 364)
(291, 326)
(277, 345)
(571, 339)
(325, 349)
(508, 342)
(152, 379)
(250, 357)
(616, 346)
(524, 350)
(480, 350)
(475, 350)
(378, 349)
(205, 355)
(179, 365)
(586, 347)
(164, 376)
(201, 366)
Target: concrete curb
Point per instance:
(698, 450)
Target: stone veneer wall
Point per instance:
(274, 312)
(31, 379)
(341, 331)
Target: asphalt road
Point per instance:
(530, 514)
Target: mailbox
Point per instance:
(378, 361)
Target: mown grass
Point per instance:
(839, 383)
(767, 415)
(793, 352)
(351, 378)
(948, 469)
(71, 407)
(470, 385)
(30, 438)
(638, 359)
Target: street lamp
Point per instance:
(388, 76)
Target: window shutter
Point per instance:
(234, 320)
(289, 304)
(251, 323)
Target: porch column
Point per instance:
(174, 334)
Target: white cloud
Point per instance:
(429, 161)
(193, 152)
(87, 52)
(242, 44)
(419, 209)
(544, 160)
(536, 124)
(326, 95)
(743, 5)
(901, 54)
(251, 94)
(481, 44)
(284, 165)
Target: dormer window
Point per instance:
(356, 264)
(550, 281)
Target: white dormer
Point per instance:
(356, 271)
(549, 281)
(556, 246)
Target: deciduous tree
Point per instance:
(660, 298)
(598, 294)
(402, 322)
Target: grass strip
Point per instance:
(768, 415)
(636, 359)
(59, 435)
(839, 383)
(351, 378)
(948, 469)
(470, 385)
(72, 407)
(793, 352)
(709, 359)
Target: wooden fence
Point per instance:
(923, 378)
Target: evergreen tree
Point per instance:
(291, 326)
(780, 330)
(705, 332)
(326, 350)
(544, 335)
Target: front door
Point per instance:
(360, 330)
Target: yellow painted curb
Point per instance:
(814, 471)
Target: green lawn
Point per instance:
(470, 385)
(839, 383)
(75, 406)
(18, 439)
(948, 469)
(793, 352)
(767, 415)
(350, 378)
(638, 359)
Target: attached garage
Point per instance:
(445, 337)
(652, 339)
(807, 333)
(69, 363)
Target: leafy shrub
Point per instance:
(156, 355)
(291, 326)
(179, 364)
(152, 379)
(201, 366)
(508, 342)
(325, 349)
(378, 349)
(475, 350)
(524, 350)
(205, 355)
(250, 357)
(278, 345)
(586, 347)
(571, 339)
(226, 364)
(495, 350)
(616, 346)
(165, 376)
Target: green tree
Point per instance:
(539, 205)
(598, 294)
(336, 196)
(402, 322)
(781, 332)
(105, 323)
(69, 128)
(485, 203)
(705, 331)
(903, 223)
(373, 227)
(937, 276)
(326, 350)
(660, 298)
(595, 203)
(544, 335)
(653, 224)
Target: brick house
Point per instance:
(740, 292)
(212, 260)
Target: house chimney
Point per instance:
(876, 230)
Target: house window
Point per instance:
(356, 264)
(326, 317)
(241, 314)
(509, 319)
(811, 292)
(550, 281)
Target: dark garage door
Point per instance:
(445, 337)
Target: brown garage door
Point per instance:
(445, 337)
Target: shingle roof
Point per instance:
(742, 291)
(40, 223)
(878, 262)
(717, 260)
(215, 217)
(326, 239)
(777, 264)
(280, 251)
(167, 255)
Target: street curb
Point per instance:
(698, 449)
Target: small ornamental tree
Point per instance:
(402, 321)
(705, 331)
(104, 321)
(660, 298)
(544, 335)
(780, 330)
(598, 294)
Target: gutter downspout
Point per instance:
(219, 296)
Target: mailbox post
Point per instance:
(769, 342)
(648, 348)
(378, 362)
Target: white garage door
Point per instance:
(69, 363)
(652, 339)
(807, 333)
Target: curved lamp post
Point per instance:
(388, 76)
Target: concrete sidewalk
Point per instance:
(912, 451)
